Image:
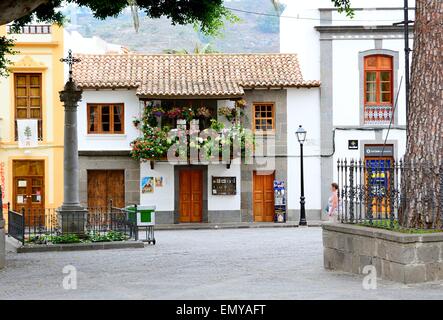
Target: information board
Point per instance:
(224, 186)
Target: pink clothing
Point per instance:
(333, 204)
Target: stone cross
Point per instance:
(71, 212)
(70, 60)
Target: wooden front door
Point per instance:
(29, 190)
(104, 186)
(263, 197)
(191, 195)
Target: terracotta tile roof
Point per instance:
(190, 75)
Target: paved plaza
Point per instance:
(269, 263)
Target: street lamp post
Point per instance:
(301, 136)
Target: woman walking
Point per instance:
(333, 203)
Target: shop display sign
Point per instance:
(222, 186)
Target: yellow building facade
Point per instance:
(32, 177)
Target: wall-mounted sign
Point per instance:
(222, 186)
(379, 151)
(353, 144)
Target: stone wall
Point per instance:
(405, 258)
(2, 244)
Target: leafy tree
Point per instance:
(6, 48)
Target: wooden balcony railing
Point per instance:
(30, 29)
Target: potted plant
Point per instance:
(188, 114)
(229, 113)
(157, 111)
(153, 145)
(136, 122)
(203, 114)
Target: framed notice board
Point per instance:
(224, 186)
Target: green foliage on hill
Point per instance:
(253, 33)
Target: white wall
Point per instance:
(94, 45)
(298, 22)
(163, 198)
(346, 80)
(396, 137)
(94, 142)
(224, 203)
(299, 36)
(304, 109)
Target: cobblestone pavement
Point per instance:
(200, 264)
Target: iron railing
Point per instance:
(31, 223)
(372, 190)
(16, 225)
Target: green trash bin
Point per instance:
(144, 217)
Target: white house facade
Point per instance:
(360, 63)
(119, 89)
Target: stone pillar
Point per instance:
(71, 214)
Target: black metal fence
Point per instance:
(371, 190)
(32, 223)
(16, 225)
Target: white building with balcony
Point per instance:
(361, 65)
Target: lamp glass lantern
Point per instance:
(301, 134)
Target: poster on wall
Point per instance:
(147, 185)
(279, 201)
(22, 183)
(27, 133)
(20, 199)
(159, 182)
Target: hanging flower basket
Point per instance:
(229, 113)
(188, 114)
(203, 113)
(157, 111)
(174, 113)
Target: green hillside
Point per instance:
(255, 33)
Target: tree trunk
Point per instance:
(11, 10)
(423, 190)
